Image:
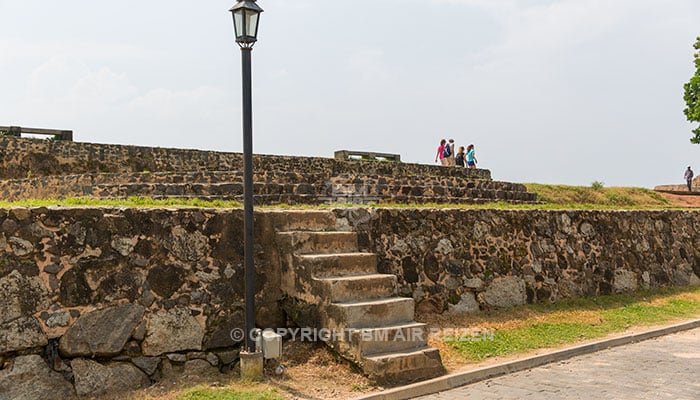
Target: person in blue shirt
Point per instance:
(471, 158)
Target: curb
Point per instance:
(458, 379)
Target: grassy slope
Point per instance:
(553, 196)
(613, 197)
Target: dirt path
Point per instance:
(683, 200)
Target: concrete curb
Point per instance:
(458, 379)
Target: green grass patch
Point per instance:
(573, 320)
(597, 196)
(555, 197)
(137, 202)
(206, 393)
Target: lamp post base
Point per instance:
(251, 365)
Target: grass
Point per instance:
(207, 393)
(555, 197)
(532, 327)
(597, 196)
(137, 202)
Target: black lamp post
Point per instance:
(246, 14)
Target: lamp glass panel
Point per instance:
(251, 23)
(238, 22)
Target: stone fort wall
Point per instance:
(466, 260)
(30, 158)
(114, 292)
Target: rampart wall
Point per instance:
(467, 260)
(26, 158)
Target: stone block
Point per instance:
(172, 331)
(95, 379)
(505, 292)
(30, 378)
(21, 334)
(101, 333)
(21, 296)
(467, 304)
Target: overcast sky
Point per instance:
(551, 91)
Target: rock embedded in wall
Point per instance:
(30, 378)
(171, 331)
(505, 292)
(95, 379)
(21, 334)
(101, 333)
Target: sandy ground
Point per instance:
(692, 201)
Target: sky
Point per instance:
(549, 91)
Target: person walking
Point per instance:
(441, 152)
(450, 153)
(471, 157)
(689, 178)
(460, 158)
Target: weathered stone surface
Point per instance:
(74, 289)
(474, 283)
(187, 246)
(177, 358)
(21, 296)
(165, 280)
(58, 319)
(219, 331)
(101, 333)
(624, 281)
(172, 331)
(197, 369)
(124, 245)
(94, 379)
(20, 246)
(20, 334)
(505, 292)
(467, 304)
(149, 365)
(30, 378)
(227, 357)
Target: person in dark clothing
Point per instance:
(689, 178)
(460, 161)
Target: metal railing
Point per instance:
(17, 131)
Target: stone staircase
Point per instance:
(332, 285)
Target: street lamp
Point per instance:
(246, 15)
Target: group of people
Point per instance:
(448, 158)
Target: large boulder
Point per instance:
(21, 334)
(505, 292)
(172, 331)
(30, 378)
(94, 379)
(101, 333)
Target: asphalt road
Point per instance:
(664, 368)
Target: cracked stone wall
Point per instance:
(471, 260)
(89, 296)
(142, 288)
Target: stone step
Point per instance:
(338, 264)
(303, 220)
(394, 368)
(358, 287)
(370, 314)
(386, 339)
(401, 199)
(424, 180)
(433, 190)
(308, 242)
(203, 189)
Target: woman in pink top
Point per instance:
(440, 152)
